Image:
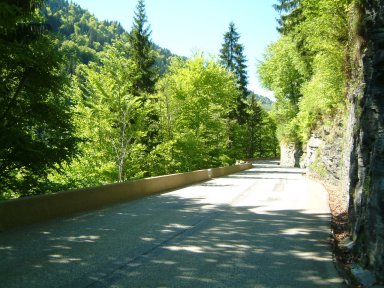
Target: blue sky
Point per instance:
(187, 26)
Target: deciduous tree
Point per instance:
(111, 118)
(284, 71)
(195, 99)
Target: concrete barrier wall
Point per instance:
(19, 212)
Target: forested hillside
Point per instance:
(265, 102)
(85, 102)
(82, 35)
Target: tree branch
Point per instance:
(15, 95)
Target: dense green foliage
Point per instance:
(195, 99)
(284, 72)
(36, 128)
(261, 138)
(306, 67)
(111, 119)
(91, 104)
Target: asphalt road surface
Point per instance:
(264, 227)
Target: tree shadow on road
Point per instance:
(197, 245)
(239, 247)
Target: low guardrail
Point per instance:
(28, 210)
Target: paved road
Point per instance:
(265, 227)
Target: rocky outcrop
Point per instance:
(290, 155)
(311, 152)
(324, 160)
(324, 153)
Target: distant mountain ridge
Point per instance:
(82, 35)
(265, 102)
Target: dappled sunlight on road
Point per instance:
(242, 247)
(189, 248)
(236, 231)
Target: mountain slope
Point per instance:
(82, 35)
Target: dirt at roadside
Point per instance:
(339, 237)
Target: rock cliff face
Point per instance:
(290, 155)
(349, 155)
(366, 173)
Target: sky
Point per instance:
(187, 26)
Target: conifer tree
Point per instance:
(254, 127)
(141, 51)
(232, 57)
(290, 15)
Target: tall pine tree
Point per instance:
(141, 52)
(290, 15)
(143, 55)
(232, 57)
